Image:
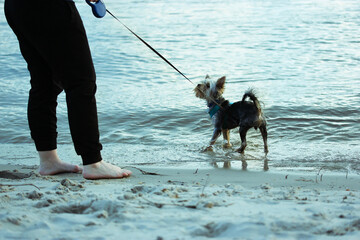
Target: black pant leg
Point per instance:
(55, 29)
(42, 100)
(44, 91)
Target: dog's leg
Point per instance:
(216, 134)
(264, 136)
(227, 164)
(226, 135)
(243, 131)
(266, 164)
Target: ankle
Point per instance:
(94, 165)
(46, 156)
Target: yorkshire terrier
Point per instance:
(226, 116)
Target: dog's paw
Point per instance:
(208, 149)
(227, 145)
(240, 150)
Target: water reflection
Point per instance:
(227, 164)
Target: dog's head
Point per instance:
(210, 90)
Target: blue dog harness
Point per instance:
(214, 108)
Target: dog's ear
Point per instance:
(220, 83)
(207, 76)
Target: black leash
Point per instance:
(149, 46)
(161, 56)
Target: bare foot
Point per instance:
(50, 164)
(104, 170)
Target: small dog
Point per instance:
(226, 116)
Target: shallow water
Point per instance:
(301, 56)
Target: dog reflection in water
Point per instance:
(244, 164)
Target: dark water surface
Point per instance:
(301, 56)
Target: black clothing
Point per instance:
(54, 44)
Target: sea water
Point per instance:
(302, 57)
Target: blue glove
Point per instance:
(98, 8)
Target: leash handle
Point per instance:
(98, 8)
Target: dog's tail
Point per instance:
(251, 94)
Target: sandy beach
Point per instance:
(178, 203)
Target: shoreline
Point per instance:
(180, 204)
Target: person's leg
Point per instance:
(77, 75)
(69, 58)
(44, 91)
(57, 33)
(42, 114)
